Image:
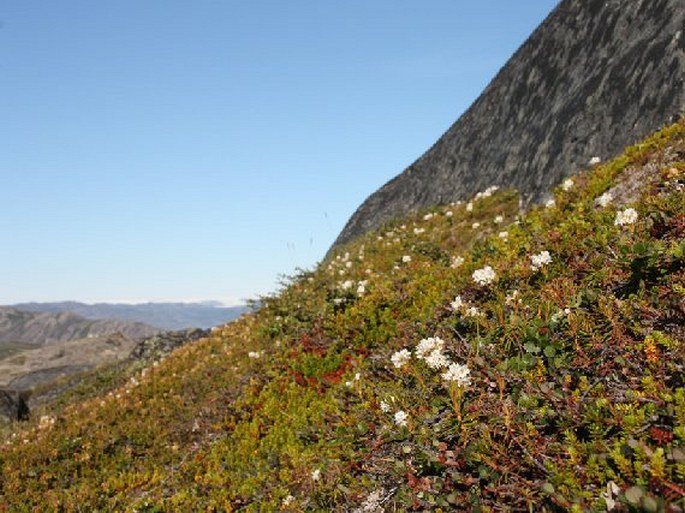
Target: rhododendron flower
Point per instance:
(625, 217)
(475, 225)
(567, 185)
(484, 276)
(503, 235)
(498, 219)
(457, 373)
(400, 358)
(595, 160)
(406, 258)
(469, 206)
(539, 260)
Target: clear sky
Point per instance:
(190, 150)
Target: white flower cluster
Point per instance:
(400, 358)
(457, 303)
(487, 192)
(498, 219)
(503, 235)
(460, 305)
(401, 417)
(512, 298)
(539, 260)
(604, 199)
(550, 203)
(406, 259)
(419, 231)
(457, 261)
(484, 276)
(625, 217)
(595, 160)
(560, 314)
(428, 345)
(460, 374)
(255, 354)
(373, 503)
(567, 184)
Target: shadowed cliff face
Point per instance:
(596, 76)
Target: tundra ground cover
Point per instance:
(434, 365)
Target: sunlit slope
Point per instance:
(465, 359)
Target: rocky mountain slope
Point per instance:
(596, 76)
(50, 328)
(465, 358)
(166, 316)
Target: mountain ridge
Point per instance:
(594, 77)
(162, 315)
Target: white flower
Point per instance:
(458, 373)
(475, 225)
(347, 284)
(469, 206)
(457, 303)
(400, 358)
(316, 474)
(625, 217)
(487, 192)
(406, 259)
(539, 260)
(385, 407)
(254, 354)
(595, 160)
(472, 311)
(419, 231)
(604, 199)
(550, 203)
(498, 219)
(512, 297)
(437, 359)
(373, 502)
(361, 288)
(338, 300)
(401, 418)
(457, 261)
(348, 264)
(288, 500)
(428, 217)
(449, 213)
(503, 235)
(560, 314)
(428, 345)
(567, 185)
(484, 276)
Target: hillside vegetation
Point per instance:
(467, 358)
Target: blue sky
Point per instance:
(167, 150)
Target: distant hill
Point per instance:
(166, 316)
(597, 75)
(44, 328)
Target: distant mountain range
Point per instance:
(166, 316)
(46, 328)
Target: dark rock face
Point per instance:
(160, 345)
(596, 76)
(14, 404)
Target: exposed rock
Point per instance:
(596, 76)
(157, 346)
(14, 404)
